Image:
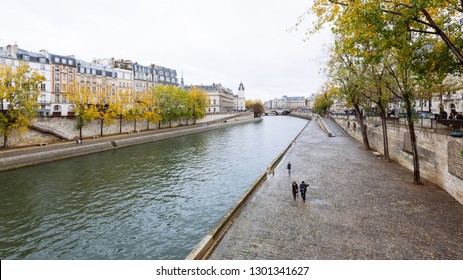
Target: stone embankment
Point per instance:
(441, 156)
(20, 157)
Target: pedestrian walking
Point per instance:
(303, 188)
(295, 189)
(289, 167)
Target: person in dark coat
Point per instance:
(303, 188)
(295, 189)
(289, 167)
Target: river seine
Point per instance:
(151, 201)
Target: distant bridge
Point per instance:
(283, 112)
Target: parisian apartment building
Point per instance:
(105, 77)
(221, 99)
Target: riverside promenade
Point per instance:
(358, 207)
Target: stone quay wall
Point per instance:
(48, 130)
(440, 156)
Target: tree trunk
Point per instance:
(134, 125)
(148, 124)
(385, 138)
(120, 124)
(5, 140)
(362, 127)
(411, 128)
(159, 124)
(101, 127)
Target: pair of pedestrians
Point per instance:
(302, 188)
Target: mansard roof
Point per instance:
(31, 56)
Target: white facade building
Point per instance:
(239, 101)
(220, 98)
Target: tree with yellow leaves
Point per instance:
(197, 103)
(19, 89)
(85, 104)
(256, 106)
(430, 18)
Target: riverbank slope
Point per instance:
(27, 156)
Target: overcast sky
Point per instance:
(211, 41)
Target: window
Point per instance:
(64, 60)
(56, 68)
(42, 67)
(42, 87)
(57, 107)
(2, 61)
(42, 98)
(42, 60)
(56, 59)
(56, 76)
(71, 62)
(56, 87)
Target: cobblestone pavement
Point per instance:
(358, 207)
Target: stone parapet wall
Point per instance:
(440, 160)
(66, 127)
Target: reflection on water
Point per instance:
(152, 201)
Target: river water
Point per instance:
(151, 201)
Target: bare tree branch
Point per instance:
(423, 31)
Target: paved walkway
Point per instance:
(358, 207)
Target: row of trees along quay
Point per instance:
(401, 50)
(20, 87)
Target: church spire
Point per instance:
(182, 85)
(241, 87)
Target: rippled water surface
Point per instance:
(152, 201)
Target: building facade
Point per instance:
(220, 98)
(165, 76)
(239, 101)
(63, 75)
(12, 55)
(99, 79)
